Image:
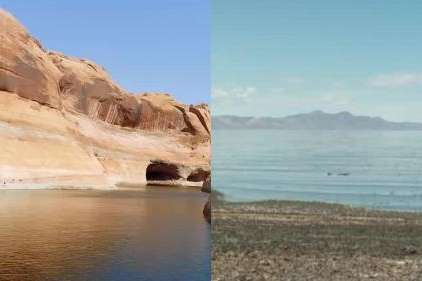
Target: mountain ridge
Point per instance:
(314, 120)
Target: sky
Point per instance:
(156, 46)
(279, 57)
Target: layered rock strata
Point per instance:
(65, 123)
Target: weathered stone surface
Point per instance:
(86, 88)
(25, 68)
(160, 112)
(203, 114)
(64, 122)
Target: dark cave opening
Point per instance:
(159, 171)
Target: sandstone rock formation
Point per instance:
(65, 123)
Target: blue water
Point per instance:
(383, 168)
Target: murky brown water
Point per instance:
(60, 235)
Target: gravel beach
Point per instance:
(287, 240)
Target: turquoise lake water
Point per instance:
(375, 169)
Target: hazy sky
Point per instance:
(274, 58)
(160, 45)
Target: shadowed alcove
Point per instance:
(198, 175)
(160, 171)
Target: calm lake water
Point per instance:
(364, 168)
(135, 235)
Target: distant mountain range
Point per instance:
(316, 120)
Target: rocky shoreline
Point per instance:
(287, 240)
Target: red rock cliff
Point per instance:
(86, 125)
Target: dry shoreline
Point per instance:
(73, 184)
(287, 240)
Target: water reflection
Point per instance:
(103, 235)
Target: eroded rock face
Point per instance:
(203, 114)
(63, 121)
(86, 88)
(160, 112)
(54, 79)
(25, 68)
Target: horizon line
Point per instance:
(310, 112)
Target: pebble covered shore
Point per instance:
(283, 240)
